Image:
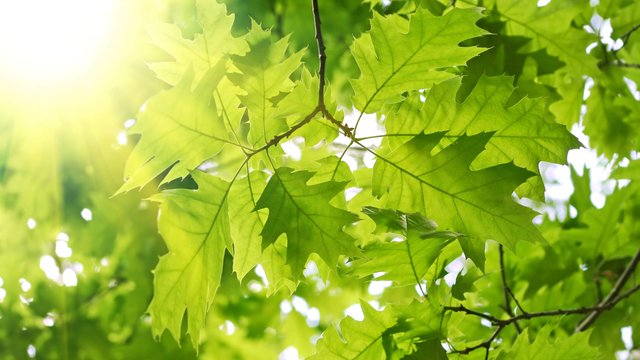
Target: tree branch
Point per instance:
(321, 51)
(485, 344)
(625, 36)
(627, 65)
(320, 107)
(506, 290)
(276, 139)
(612, 298)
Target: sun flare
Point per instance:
(44, 42)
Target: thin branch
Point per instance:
(612, 298)
(515, 299)
(625, 36)
(627, 65)
(321, 51)
(320, 107)
(559, 312)
(462, 308)
(506, 290)
(485, 344)
(346, 130)
(276, 139)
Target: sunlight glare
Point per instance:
(50, 41)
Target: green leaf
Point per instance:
(357, 339)
(204, 51)
(442, 187)
(245, 223)
(626, 19)
(303, 212)
(601, 234)
(550, 28)
(300, 101)
(606, 124)
(407, 261)
(575, 347)
(264, 73)
(522, 135)
(195, 227)
(397, 55)
(190, 118)
(567, 109)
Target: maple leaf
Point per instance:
(607, 122)
(195, 227)
(397, 55)
(245, 223)
(522, 134)
(574, 347)
(442, 187)
(264, 73)
(362, 339)
(625, 20)
(603, 233)
(303, 212)
(204, 51)
(550, 28)
(196, 131)
(405, 262)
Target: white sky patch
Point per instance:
(453, 269)
(633, 87)
(313, 317)
(86, 214)
(285, 307)
(121, 138)
(626, 333)
(3, 294)
(355, 311)
(31, 223)
(255, 286)
(24, 284)
(259, 270)
(62, 236)
(69, 278)
(31, 351)
(350, 193)
(376, 287)
(421, 289)
(49, 320)
(63, 250)
(228, 327)
(49, 267)
(292, 149)
(290, 353)
(542, 3)
(310, 269)
(129, 123)
(300, 305)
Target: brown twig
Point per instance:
(321, 51)
(625, 37)
(612, 298)
(485, 344)
(627, 65)
(506, 290)
(320, 107)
